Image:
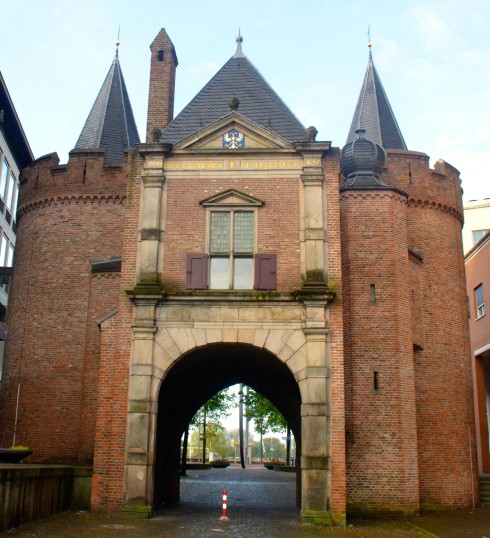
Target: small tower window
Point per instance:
(372, 293)
(376, 380)
(160, 55)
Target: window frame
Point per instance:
(230, 254)
(479, 305)
(4, 176)
(480, 234)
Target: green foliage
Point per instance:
(19, 447)
(277, 453)
(265, 415)
(214, 409)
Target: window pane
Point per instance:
(219, 278)
(243, 232)
(220, 232)
(3, 178)
(242, 274)
(478, 234)
(16, 199)
(10, 194)
(3, 249)
(10, 255)
(479, 301)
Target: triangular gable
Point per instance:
(234, 133)
(258, 102)
(231, 197)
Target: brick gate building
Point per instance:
(232, 247)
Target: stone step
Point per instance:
(484, 484)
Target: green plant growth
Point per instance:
(266, 416)
(207, 419)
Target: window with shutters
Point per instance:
(231, 261)
(231, 249)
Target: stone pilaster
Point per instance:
(142, 412)
(313, 228)
(152, 219)
(315, 417)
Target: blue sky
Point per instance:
(433, 58)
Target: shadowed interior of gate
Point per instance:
(195, 378)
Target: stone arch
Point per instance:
(257, 338)
(194, 378)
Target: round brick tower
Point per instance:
(409, 410)
(69, 216)
(66, 280)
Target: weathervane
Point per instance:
(369, 42)
(118, 42)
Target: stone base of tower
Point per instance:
(323, 518)
(382, 509)
(140, 511)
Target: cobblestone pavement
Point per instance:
(260, 503)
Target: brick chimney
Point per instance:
(162, 84)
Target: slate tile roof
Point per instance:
(110, 124)
(374, 114)
(258, 102)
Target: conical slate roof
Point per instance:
(110, 124)
(374, 115)
(258, 102)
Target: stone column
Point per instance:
(142, 412)
(314, 233)
(315, 416)
(152, 213)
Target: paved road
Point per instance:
(261, 503)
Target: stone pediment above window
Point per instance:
(232, 198)
(234, 133)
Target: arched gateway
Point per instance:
(184, 358)
(234, 246)
(196, 377)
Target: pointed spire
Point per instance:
(239, 41)
(110, 124)
(373, 111)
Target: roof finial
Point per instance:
(369, 42)
(118, 42)
(239, 41)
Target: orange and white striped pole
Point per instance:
(223, 513)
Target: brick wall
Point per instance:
(278, 220)
(110, 434)
(380, 421)
(162, 84)
(433, 289)
(67, 216)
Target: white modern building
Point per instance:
(476, 222)
(15, 154)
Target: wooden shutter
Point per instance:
(265, 272)
(197, 272)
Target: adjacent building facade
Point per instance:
(232, 247)
(15, 154)
(476, 222)
(477, 263)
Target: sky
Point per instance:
(433, 58)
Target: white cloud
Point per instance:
(474, 168)
(432, 28)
